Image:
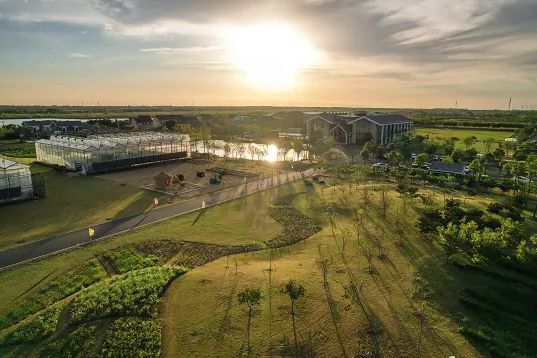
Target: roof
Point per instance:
(48, 122)
(33, 123)
(384, 119)
(324, 116)
(452, 168)
(144, 119)
(8, 165)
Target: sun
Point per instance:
(271, 54)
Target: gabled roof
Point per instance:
(68, 123)
(48, 122)
(450, 168)
(34, 123)
(384, 119)
(324, 116)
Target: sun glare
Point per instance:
(272, 153)
(270, 55)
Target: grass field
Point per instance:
(413, 303)
(463, 133)
(71, 203)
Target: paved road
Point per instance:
(44, 247)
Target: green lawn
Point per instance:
(71, 203)
(411, 278)
(242, 221)
(17, 149)
(463, 133)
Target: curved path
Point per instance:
(44, 247)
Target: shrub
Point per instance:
(132, 337)
(34, 328)
(55, 291)
(495, 207)
(75, 344)
(130, 259)
(135, 293)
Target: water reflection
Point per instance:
(252, 151)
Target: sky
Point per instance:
(352, 53)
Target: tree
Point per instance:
(469, 141)
(227, 150)
(448, 159)
(421, 158)
(251, 150)
(298, 148)
(294, 290)
(370, 146)
(526, 251)
(251, 297)
(531, 168)
(498, 153)
(384, 198)
(457, 155)
(364, 154)
(395, 157)
(487, 143)
(477, 167)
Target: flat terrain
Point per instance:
(412, 302)
(143, 177)
(464, 133)
(72, 202)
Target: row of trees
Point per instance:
(251, 298)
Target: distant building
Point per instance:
(178, 119)
(359, 127)
(40, 128)
(292, 133)
(143, 122)
(448, 168)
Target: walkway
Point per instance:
(56, 244)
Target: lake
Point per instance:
(266, 152)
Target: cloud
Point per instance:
(78, 55)
(176, 50)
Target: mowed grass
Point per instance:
(71, 203)
(238, 222)
(443, 133)
(201, 316)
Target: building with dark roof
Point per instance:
(177, 119)
(51, 126)
(143, 122)
(448, 168)
(359, 128)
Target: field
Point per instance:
(499, 136)
(71, 203)
(368, 291)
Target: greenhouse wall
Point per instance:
(104, 153)
(16, 182)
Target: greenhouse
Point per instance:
(15, 182)
(109, 152)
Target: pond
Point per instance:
(252, 151)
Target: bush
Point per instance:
(129, 259)
(55, 291)
(132, 337)
(135, 293)
(34, 328)
(495, 207)
(75, 344)
(296, 226)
